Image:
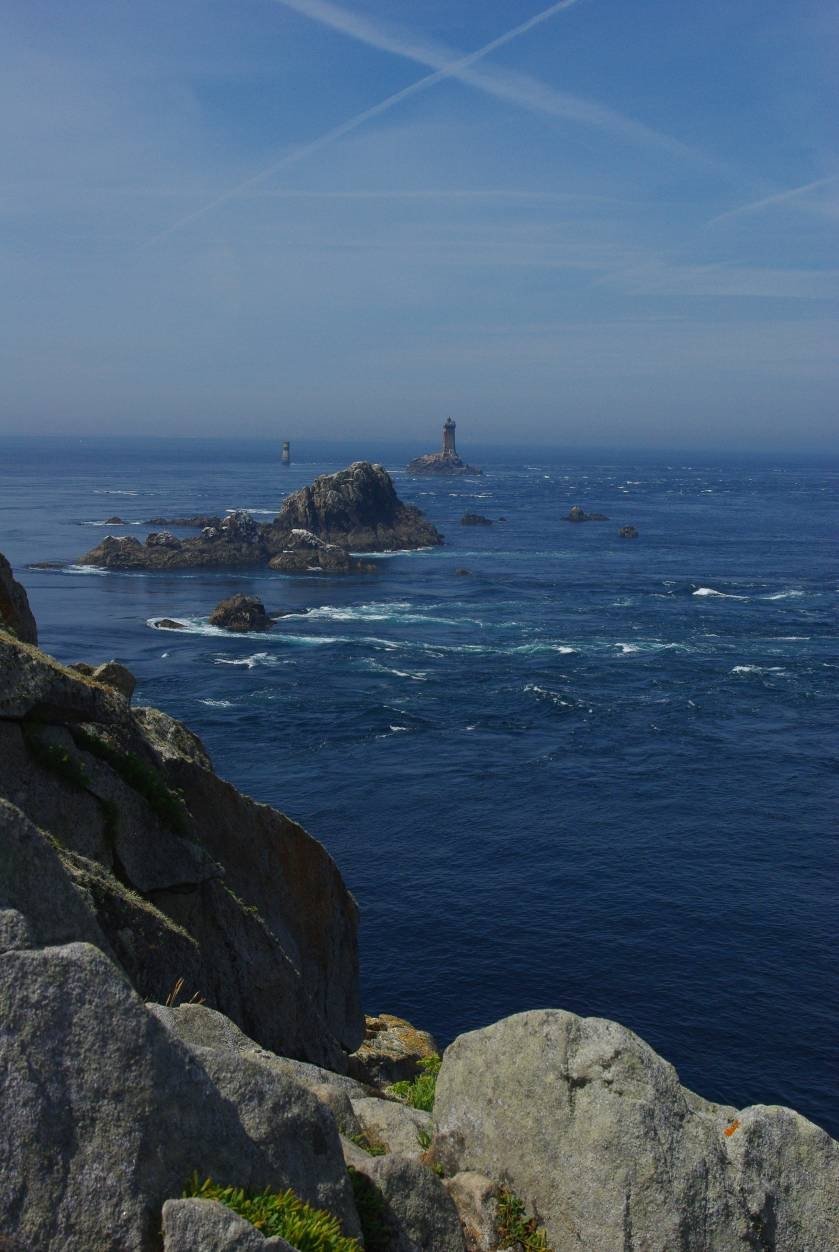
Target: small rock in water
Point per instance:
(114, 521)
(628, 532)
(475, 519)
(463, 573)
(168, 623)
(241, 613)
(578, 514)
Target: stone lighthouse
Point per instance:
(445, 462)
(449, 448)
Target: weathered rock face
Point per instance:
(104, 1115)
(195, 1225)
(357, 508)
(578, 514)
(418, 1211)
(185, 877)
(114, 675)
(594, 1133)
(15, 613)
(240, 613)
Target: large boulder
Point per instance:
(357, 508)
(414, 1207)
(304, 552)
(240, 613)
(592, 1130)
(104, 1115)
(15, 614)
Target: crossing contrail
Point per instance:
(455, 68)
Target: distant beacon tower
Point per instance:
(285, 455)
(448, 438)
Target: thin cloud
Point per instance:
(521, 90)
(453, 68)
(781, 197)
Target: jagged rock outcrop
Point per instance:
(15, 613)
(591, 1129)
(317, 527)
(578, 514)
(241, 613)
(186, 878)
(304, 552)
(357, 508)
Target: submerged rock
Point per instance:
(475, 519)
(627, 532)
(578, 514)
(241, 613)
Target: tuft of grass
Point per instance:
(165, 803)
(514, 1228)
(278, 1213)
(368, 1143)
(53, 757)
(372, 1213)
(419, 1091)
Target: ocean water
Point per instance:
(593, 774)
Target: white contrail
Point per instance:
(519, 89)
(454, 68)
(756, 205)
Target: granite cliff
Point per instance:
(318, 526)
(132, 877)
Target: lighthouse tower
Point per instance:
(448, 438)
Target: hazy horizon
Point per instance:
(567, 225)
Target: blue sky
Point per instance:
(602, 222)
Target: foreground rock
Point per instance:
(196, 1225)
(104, 1115)
(186, 878)
(356, 509)
(578, 514)
(591, 1129)
(241, 613)
(15, 613)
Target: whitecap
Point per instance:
(758, 669)
(722, 595)
(218, 704)
(627, 647)
(83, 569)
(112, 491)
(785, 595)
(397, 729)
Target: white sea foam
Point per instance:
(112, 491)
(721, 595)
(627, 647)
(758, 669)
(83, 569)
(786, 595)
(419, 675)
(105, 522)
(243, 508)
(218, 704)
(398, 729)
(545, 693)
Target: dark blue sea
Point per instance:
(594, 774)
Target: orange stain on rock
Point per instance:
(730, 1129)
